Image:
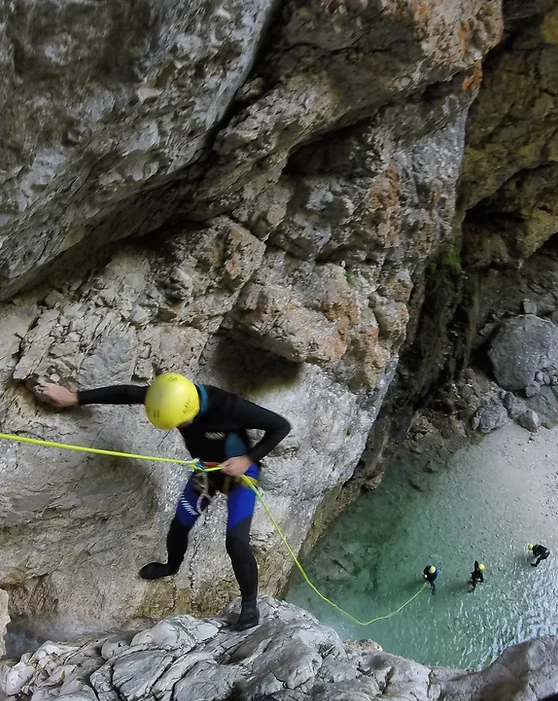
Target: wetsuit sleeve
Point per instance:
(251, 415)
(116, 394)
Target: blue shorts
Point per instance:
(240, 498)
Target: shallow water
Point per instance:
(487, 503)
(19, 640)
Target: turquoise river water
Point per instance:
(486, 502)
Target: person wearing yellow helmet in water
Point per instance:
(477, 576)
(214, 425)
(540, 552)
(430, 573)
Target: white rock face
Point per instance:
(288, 657)
(99, 99)
(108, 108)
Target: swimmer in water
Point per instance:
(430, 573)
(477, 575)
(540, 552)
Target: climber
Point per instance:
(213, 424)
(430, 573)
(540, 552)
(477, 576)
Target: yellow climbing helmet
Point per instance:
(432, 569)
(481, 567)
(171, 400)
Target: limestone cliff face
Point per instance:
(109, 107)
(292, 167)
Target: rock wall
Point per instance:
(303, 158)
(504, 308)
(508, 183)
(495, 282)
(289, 657)
(108, 107)
(511, 221)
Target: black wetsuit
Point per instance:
(218, 432)
(477, 576)
(541, 553)
(430, 577)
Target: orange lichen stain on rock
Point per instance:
(473, 82)
(387, 191)
(462, 36)
(421, 9)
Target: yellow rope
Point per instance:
(196, 465)
(99, 451)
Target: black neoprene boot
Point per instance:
(177, 542)
(249, 615)
(156, 570)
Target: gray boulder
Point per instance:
(545, 404)
(532, 389)
(529, 420)
(518, 410)
(288, 657)
(514, 405)
(523, 346)
(489, 417)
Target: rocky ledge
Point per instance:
(288, 657)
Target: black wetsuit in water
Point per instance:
(477, 576)
(218, 432)
(541, 553)
(430, 577)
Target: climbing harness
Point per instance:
(243, 480)
(249, 482)
(202, 483)
(201, 486)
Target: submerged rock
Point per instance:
(518, 411)
(288, 657)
